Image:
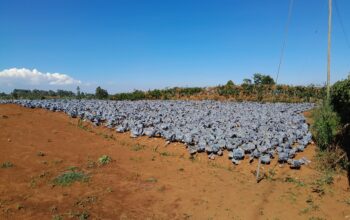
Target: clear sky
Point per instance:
(127, 44)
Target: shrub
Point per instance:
(326, 125)
(340, 99)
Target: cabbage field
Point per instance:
(245, 129)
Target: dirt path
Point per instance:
(146, 178)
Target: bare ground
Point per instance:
(146, 178)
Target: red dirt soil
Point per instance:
(146, 179)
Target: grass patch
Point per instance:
(7, 164)
(70, 177)
(104, 160)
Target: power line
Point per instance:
(285, 38)
(341, 23)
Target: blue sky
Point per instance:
(127, 44)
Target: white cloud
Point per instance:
(15, 76)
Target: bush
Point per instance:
(340, 99)
(326, 125)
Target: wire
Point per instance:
(285, 38)
(341, 23)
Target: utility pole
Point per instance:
(329, 47)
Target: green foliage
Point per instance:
(326, 125)
(228, 90)
(340, 99)
(260, 79)
(70, 177)
(230, 83)
(101, 93)
(247, 82)
(104, 159)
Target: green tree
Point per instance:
(101, 93)
(230, 83)
(78, 92)
(247, 81)
(260, 79)
(340, 99)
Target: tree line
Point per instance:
(259, 88)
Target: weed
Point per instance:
(165, 154)
(155, 149)
(40, 154)
(72, 168)
(70, 177)
(316, 218)
(162, 189)
(91, 164)
(59, 161)
(152, 180)
(136, 159)
(7, 164)
(19, 207)
(289, 179)
(137, 147)
(86, 201)
(311, 206)
(104, 160)
(271, 175)
(320, 183)
(192, 158)
(84, 215)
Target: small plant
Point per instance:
(104, 160)
(70, 177)
(7, 164)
